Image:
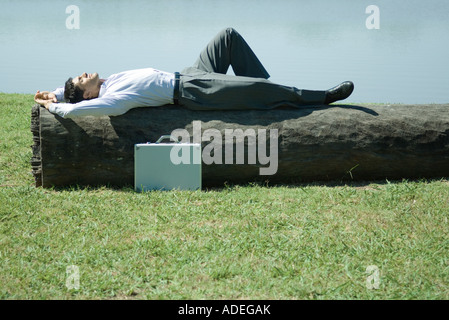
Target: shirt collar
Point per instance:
(102, 89)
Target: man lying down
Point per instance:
(204, 86)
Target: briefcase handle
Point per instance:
(167, 137)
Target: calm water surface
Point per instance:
(303, 43)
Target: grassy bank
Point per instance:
(239, 242)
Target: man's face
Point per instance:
(89, 83)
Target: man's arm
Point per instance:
(59, 93)
(110, 106)
(105, 106)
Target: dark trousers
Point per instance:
(205, 85)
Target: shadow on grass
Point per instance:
(260, 184)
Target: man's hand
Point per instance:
(45, 98)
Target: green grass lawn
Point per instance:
(250, 241)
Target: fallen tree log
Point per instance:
(335, 142)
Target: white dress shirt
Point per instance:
(120, 93)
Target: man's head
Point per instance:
(83, 87)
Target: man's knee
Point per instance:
(229, 32)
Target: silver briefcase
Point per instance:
(167, 166)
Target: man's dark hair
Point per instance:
(72, 93)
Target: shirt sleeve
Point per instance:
(59, 93)
(107, 106)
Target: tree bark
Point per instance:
(336, 142)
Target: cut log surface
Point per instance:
(336, 142)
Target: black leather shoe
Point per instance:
(340, 92)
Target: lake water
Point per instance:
(303, 43)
